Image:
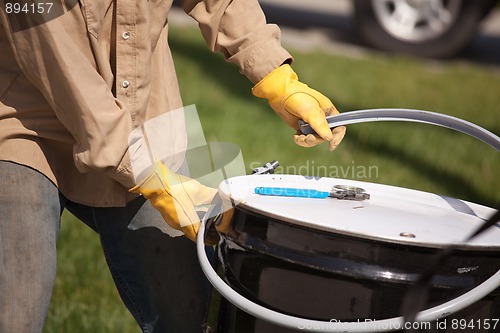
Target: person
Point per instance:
(76, 79)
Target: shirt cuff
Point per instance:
(264, 59)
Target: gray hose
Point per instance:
(397, 323)
(408, 115)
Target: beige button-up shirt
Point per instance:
(78, 77)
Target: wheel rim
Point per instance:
(416, 20)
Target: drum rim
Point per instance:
(245, 208)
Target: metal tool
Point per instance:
(341, 192)
(346, 192)
(267, 168)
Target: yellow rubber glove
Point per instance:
(175, 197)
(293, 100)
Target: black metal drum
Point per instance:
(348, 258)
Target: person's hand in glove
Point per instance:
(293, 100)
(175, 197)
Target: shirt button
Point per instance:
(125, 84)
(125, 35)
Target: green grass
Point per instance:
(410, 155)
(416, 156)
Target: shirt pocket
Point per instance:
(94, 12)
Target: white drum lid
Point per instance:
(391, 213)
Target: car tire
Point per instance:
(379, 27)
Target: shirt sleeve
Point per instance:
(238, 30)
(51, 51)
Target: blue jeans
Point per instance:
(158, 277)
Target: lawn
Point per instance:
(412, 155)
